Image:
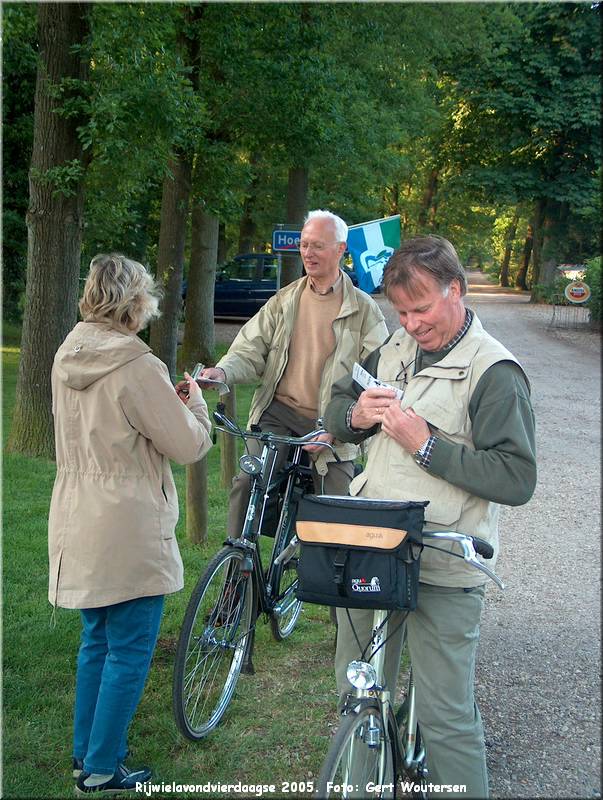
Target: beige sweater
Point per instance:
(312, 342)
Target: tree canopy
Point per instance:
(478, 121)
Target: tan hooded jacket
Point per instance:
(114, 505)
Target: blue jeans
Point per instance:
(115, 655)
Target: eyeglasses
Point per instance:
(403, 375)
(318, 247)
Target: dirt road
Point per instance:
(538, 681)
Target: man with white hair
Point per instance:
(298, 345)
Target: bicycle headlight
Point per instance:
(361, 675)
(252, 465)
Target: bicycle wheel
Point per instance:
(361, 759)
(287, 607)
(414, 776)
(213, 641)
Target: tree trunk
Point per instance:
(510, 239)
(390, 200)
(54, 222)
(427, 210)
(297, 208)
(553, 214)
(521, 281)
(197, 514)
(228, 443)
(198, 344)
(537, 247)
(170, 259)
(222, 243)
(247, 227)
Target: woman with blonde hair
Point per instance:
(112, 549)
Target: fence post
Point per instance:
(228, 444)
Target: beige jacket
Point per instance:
(441, 395)
(261, 350)
(114, 505)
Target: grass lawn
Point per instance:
(274, 731)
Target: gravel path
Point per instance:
(538, 677)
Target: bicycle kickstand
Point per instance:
(247, 667)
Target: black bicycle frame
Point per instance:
(258, 500)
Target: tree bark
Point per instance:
(228, 443)
(247, 226)
(427, 210)
(222, 249)
(170, 259)
(521, 281)
(537, 247)
(297, 208)
(553, 239)
(198, 343)
(197, 513)
(510, 239)
(54, 222)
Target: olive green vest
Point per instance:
(441, 395)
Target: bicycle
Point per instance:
(216, 639)
(376, 753)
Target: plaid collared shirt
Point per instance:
(456, 339)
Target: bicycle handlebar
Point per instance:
(471, 546)
(226, 425)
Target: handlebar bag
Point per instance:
(359, 553)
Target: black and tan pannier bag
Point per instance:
(359, 553)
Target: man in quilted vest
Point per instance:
(462, 437)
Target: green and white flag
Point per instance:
(371, 244)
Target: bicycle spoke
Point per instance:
(212, 644)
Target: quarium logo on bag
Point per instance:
(362, 585)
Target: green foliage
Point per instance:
(528, 122)
(142, 105)
(446, 116)
(19, 78)
(593, 278)
(552, 293)
(64, 179)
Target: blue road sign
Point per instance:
(285, 241)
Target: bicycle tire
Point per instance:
(212, 645)
(288, 608)
(361, 754)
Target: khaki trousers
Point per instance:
(442, 635)
(280, 418)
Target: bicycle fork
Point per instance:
(412, 759)
(247, 573)
(377, 729)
